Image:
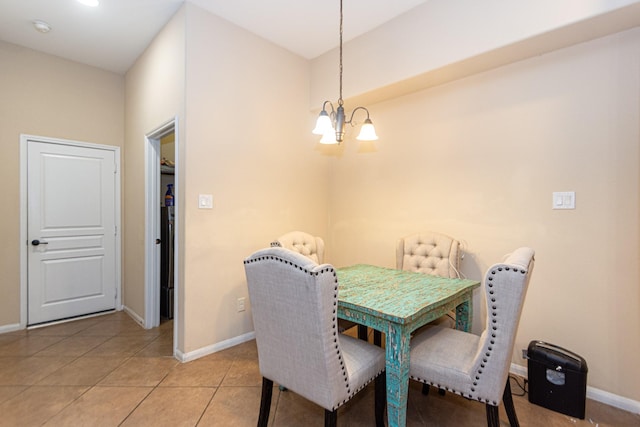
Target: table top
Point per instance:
(395, 294)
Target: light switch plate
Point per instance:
(564, 200)
(205, 201)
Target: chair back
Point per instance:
(294, 308)
(304, 243)
(429, 252)
(505, 286)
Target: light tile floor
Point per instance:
(108, 371)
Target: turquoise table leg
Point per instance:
(397, 354)
(464, 315)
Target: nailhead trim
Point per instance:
(331, 270)
(488, 350)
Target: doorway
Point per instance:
(161, 232)
(167, 226)
(70, 226)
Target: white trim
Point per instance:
(214, 348)
(12, 327)
(593, 393)
(24, 139)
(135, 316)
(518, 370)
(152, 256)
(152, 229)
(151, 261)
(24, 283)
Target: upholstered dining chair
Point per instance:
(477, 367)
(304, 243)
(432, 253)
(293, 302)
(429, 252)
(313, 248)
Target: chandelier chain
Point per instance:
(340, 102)
(332, 125)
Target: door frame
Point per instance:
(24, 244)
(152, 228)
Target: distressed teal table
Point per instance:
(396, 303)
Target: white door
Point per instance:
(71, 231)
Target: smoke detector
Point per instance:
(41, 26)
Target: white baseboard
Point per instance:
(133, 315)
(593, 393)
(10, 328)
(214, 348)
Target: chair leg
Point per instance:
(425, 389)
(493, 416)
(507, 399)
(380, 398)
(265, 402)
(377, 338)
(362, 333)
(330, 418)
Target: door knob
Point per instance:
(37, 242)
(158, 241)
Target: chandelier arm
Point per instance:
(324, 106)
(354, 112)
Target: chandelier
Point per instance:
(331, 125)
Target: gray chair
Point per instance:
(477, 367)
(313, 248)
(304, 243)
(429, 253)
(293, 302)
(432, 253)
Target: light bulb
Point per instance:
(329, 137)
(323, 124)
(367, 132)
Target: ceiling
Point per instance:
(114, 34)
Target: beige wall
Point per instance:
(479, 159)
(168, 147)
(46, 96)
(440, 41)
(154, 95)
(243, 121)
(248, 144)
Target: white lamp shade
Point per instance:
(367, 132)
(323, 124)
(329, 137)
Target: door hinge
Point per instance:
(115, 168)
(115, 230)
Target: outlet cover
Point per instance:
(205, 201)
(564, 200)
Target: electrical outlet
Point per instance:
(241, 304)
(524, 353)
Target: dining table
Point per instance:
(396, 303)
